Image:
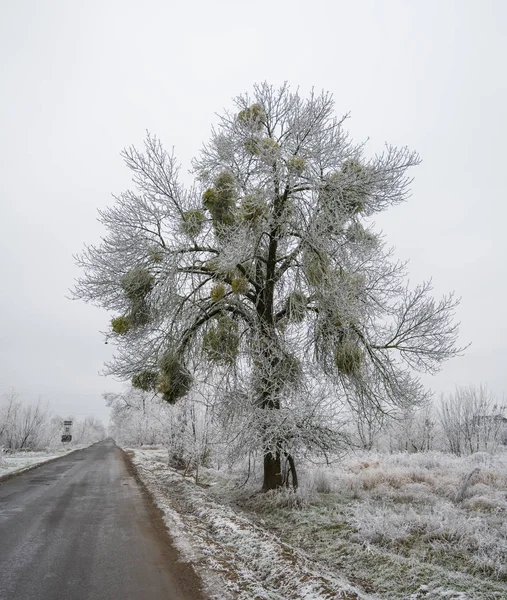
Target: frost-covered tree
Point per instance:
(88, 431)
(139, 418)
(412, 429)
(268, 274)
(22, 425)
(472, 420)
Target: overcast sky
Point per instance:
(81, 80)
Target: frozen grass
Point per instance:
(236, 557)
(392, 524)
(401, 527)
(19, 461)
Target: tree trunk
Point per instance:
(272, 472)
(293, 472)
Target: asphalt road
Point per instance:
(81, 528)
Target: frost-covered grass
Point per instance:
(14, 462)
(399, 527)
(236, 557)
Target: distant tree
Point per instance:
(472, 420)
(137, 418)
(412, 429)
(368, 422)
(87, 431)
(33, 419)
(268, 274)
(9, 409)
(22, 425)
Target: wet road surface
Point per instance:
(80, 528)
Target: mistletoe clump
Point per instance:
(348, 358)
(265, 147)
(212, 265)
(192, 222)
(353, 168)
(220, 200)
(217, 292)
(253, 116)
(140, 313)
(332, 331)
(155, 254)
(239, 285)
(357, 234)
(347, 188)
(252, 209)
(316, 267)
(146, 381)
(268, 147)
(296, 165)
(121, 325)
(356, 184)
(350, 283)
(174, 380)
(290, 368)
(277, 368)
(221, 341)
(295, 307)
(137, 284)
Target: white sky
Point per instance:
(81, 80)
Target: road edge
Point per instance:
(187, 570)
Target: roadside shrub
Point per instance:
(322, 482)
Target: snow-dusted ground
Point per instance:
(420, 526)
(399, 527)
(235, 557)
(19, 461)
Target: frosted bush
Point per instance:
(479, 489)
(427, 460)
(481, 457)
(415, 493)
(492, 478)
(380, 523)
(485, 503)
(448, 529)
(380, 492)
(322, 482)
(283, 498)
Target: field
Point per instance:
(392, 527)
(15, 462)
